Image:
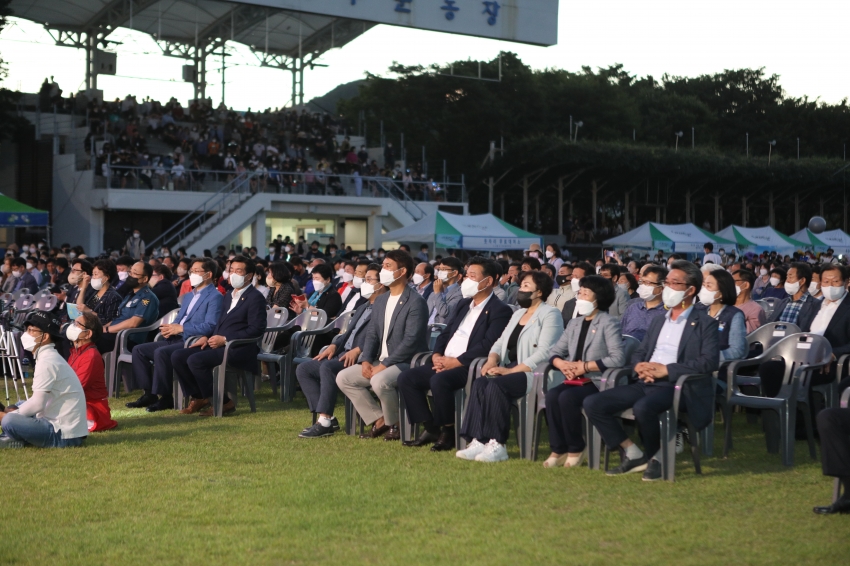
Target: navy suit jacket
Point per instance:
(246, 320)
(489, 326)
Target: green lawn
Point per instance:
(174, 489)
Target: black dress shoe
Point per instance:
(393, 434)
(376, 432)
(842, 506)
(164, 404)
(445, 442)
(145, 400)
(424, 439)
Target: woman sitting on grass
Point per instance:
(87, 363)
(507, 375)
(591, 343)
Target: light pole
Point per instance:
(798, 148)
(678, 135)
(579, 124)
(693, 145)
(748, 144)
(770, 145)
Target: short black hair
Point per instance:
(693, 276)
(125, 260)
(542, 281)
(429, 269)
(163, 270)
(803, 271)
(726, 286)
(602, 288)
(402, 260)
(147, 268)
(249, 263)
(488, 266)
(324, 270)
(61, 262)
(107, 267)
(549, 268)
(842, 271)
(611, 268)
(532, 262)
(279, 272)
(85, 265)
(588, 269)
(747, 276)
(660, 271)
(452, 262)
(780, 272)
(708, 246)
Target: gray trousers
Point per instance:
(318, 382)
(356, 387)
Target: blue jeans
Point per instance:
(36, 431)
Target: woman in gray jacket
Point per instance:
(592, 342)
(508, 373)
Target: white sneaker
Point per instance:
(472, 450)
(680, 443)
(493, 452)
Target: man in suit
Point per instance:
(423, 279)
(684, 341)
(243, 315)
(473, 327)
(612, 272)
(397, 331)
(353, 299)
(318, 376)
(153, 369)
(580, 269)
(139, 308)
(799, 307)
(446, 294)
(25, 279)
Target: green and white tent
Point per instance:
(481, 232)
(683, 238)
(764, 239)
(14, 214)
(838, 240)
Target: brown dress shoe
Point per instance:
(195, 405)
(376, 432)
(226, 409)
(393, 434)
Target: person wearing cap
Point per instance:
(55, 414)
(139, 308)
(87, 363)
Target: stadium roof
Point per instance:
(196, 23)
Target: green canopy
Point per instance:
(481, 232)
(14, 214)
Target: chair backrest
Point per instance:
(169, 318)
(24, 302)
(180, 299)
(770, 334)
(46, 303)
(343, 321)
(630, 344)
(797, 350)
(436, 330)
(276, 316)
(771, 301)
(316, 319)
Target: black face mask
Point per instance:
(523, 298)
(132, 282)
(562, 280)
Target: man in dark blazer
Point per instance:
(243, 315)
(318, 376)
(684, 341)
(397, 330)
(472, 328)
(580, 269)
(153, 370)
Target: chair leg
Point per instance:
(538, 429)
(248, 382)
(177, 393)
(788, 423)
(706, 439)
(810, 434)
(695, 448)
(460, 400)
(218, 390)
(836, 490)
(727, 425)
(667, 420)
(349, 417)
(594, 444)
(286, 384)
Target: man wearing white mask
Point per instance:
(346, 279)
(25, 279)
(423, 279)
(580, 269)
(397, 331)
(471, 331)
(641, 312)
(799, 307)
(446, 293)
(753, 313)
(55, 414)
(152, 368)
(354, 298)
(135, 245)
(762, 282)
(32, 267)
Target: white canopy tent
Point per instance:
(682, 238)
(838, 240)
(764, 239)
(480, 232)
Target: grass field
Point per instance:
(174, 489)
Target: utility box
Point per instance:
(190, 75)
(105, 63)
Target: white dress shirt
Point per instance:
(667, 347)
(392, 301)
(460, 340)
(824, 316)
(236, 295)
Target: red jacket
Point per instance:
(88, 365)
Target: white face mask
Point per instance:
(418, 279)
(813, 287)
(122, 275)
(469, 288)
(237, 280)
(181, 271)
(646, 292)
(367, 290)
(574, 284)
(598, 269)
(833, 293)
(72, 255)
(347, 277)
(225, 275)
(29, 266)
(623, 286)
(792, 288)
(584, 308)
(318, 286)
(357, 282)
(269, 281)
(195, 279)
(738, 291)
(73, 278)
(387, 277)
(774, 281)
(535, 255)
(442, 275)
(707, 297)
(762, 272)
(309, 270)
(550, 254)
(73, 332)
(672, 298)
(340, 273)
(28, 342)
(97, 284)
(137, 235)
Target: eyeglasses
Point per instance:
(650, 283)
(675, 284)
(371, 280)
(84, 327)
(198, 272)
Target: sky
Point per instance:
(803, 42)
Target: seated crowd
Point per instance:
(575, 319)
